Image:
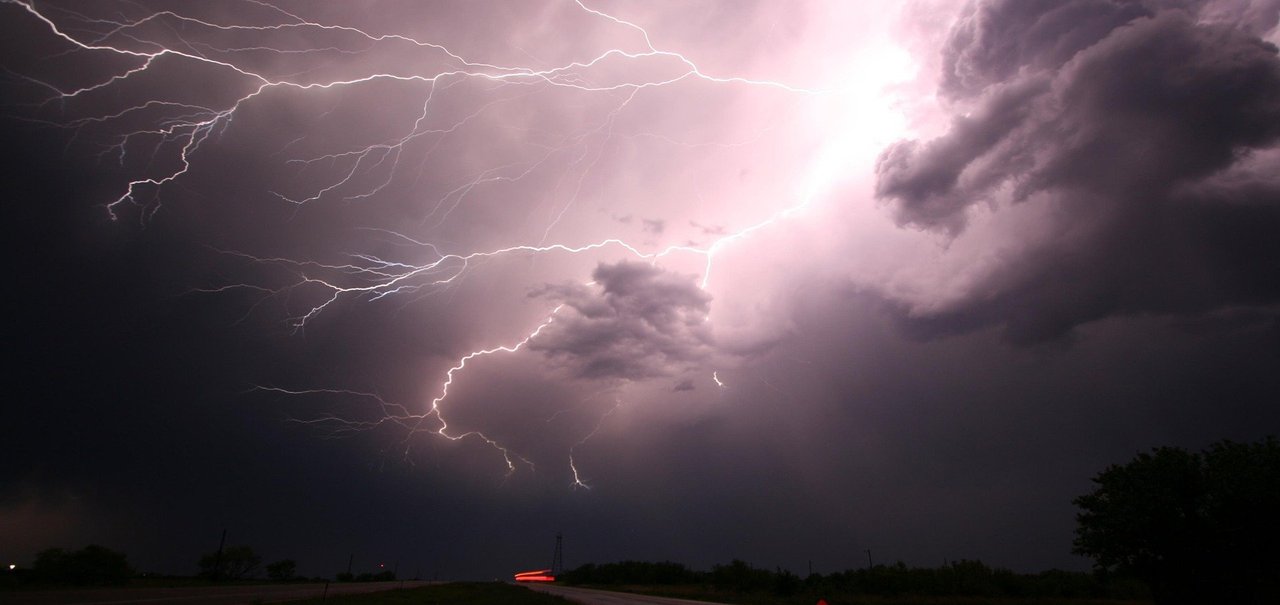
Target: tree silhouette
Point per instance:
(1197, 527)
(91, 565)
(282, 570)
(236, 562)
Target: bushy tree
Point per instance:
(282, 570)
(234, 563)
(92, 565)
(1198, 527)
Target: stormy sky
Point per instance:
(425, 283)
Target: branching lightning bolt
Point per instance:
(191, 126)
(578, 481)
(394, 413)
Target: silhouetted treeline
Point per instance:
(92, 565)
(960, 578)
(633, 572)
(96, 565)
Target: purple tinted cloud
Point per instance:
(635, 321)
(1146, 133)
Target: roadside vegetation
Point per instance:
(1171, 526)
(961, 582)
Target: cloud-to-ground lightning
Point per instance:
(414, 422)
(183, 129)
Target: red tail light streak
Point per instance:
(542, 575)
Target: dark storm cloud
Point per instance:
(925, 177)
(992, 41)
(995, 40)
(1148, 133)
(635, 321)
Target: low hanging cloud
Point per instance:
(635, 321)
(1147, 131)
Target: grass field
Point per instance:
(701, 593)
(470, 593)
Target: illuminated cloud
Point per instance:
(635, 321)
(1142, 135)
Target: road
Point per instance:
(194, 595)
(590, 596)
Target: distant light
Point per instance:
(12, 567)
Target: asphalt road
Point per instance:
(590, 596)
(197, 595)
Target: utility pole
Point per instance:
(869, 563)
(557, 560)
(217, 559)
(350, 560)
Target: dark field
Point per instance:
(470, 593)
(707, 593)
